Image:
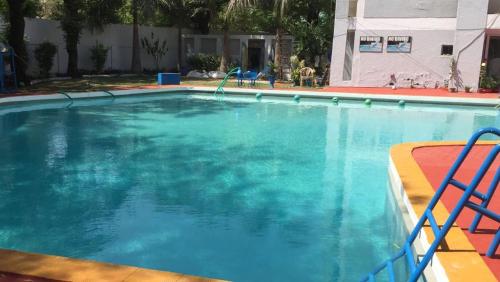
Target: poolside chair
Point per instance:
(249, 75)
(307, 75)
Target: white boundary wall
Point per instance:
(117, 37)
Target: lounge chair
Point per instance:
(307, 75)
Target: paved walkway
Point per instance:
(435, 163)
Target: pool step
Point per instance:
(417, 266)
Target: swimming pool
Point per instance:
(239, 190)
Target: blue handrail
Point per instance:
(220, 88)
(417, 267)
(10, 55)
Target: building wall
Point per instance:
(411, 8)
(469, 40)
(424, 64)
(193, 44)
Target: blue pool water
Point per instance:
(238, 190)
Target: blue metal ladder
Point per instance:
(7, 56)
(417, 266)
(220, 88)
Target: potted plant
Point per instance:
(488, 85)
(468, 89)
(453, 76)
(272, 73)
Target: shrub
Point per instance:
(297, 65)
(44, 55)
(98, 55)
(155, 48)
(488, 82)
(203, 62)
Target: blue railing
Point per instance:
(417, 267)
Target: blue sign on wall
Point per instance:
(399, 44)
(372, 44)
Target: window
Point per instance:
(208, 46)
(446, 50)
(234, 47)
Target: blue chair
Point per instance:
(250, 75)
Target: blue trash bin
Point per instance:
(169, 78)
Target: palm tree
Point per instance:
(228, 17)
(72, 23)
(15, 37)
(77, 14)
(136, 66)
(180, 13)
(146, 7)
(279, 15)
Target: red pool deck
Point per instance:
(435, 163)
(439, 92)
(384, 91)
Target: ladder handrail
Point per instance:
(417, 267)
(220, 88)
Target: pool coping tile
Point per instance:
(468, 101)
(70, 269)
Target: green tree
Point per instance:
(77, 14)
(311, 22)
(227, 16)
(136, 66)
(17, 10)
(179, 14)
(141, 9)
(280, 9)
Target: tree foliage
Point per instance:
(310, 22)
(77, 14)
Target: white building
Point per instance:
(414, 40)
(250, 51)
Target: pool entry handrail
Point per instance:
(220, 88)
(8, 78)
(417, 267)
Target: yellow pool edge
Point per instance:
(461, 262)
(69, 269)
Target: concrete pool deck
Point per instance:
(416, 170)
